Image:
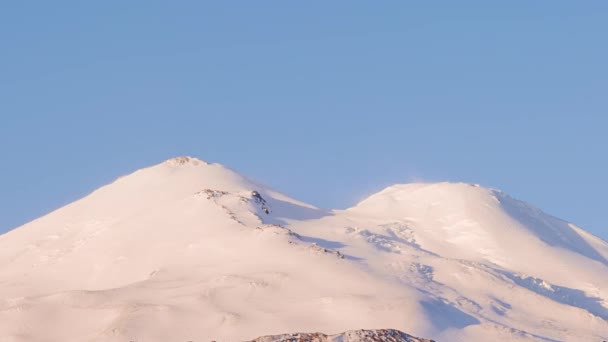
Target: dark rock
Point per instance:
(377, 335)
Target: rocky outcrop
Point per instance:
(378, 335)
(261, 201)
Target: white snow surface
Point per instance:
(182, 251)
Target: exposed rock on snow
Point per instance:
(185, 160)
(261, 201)
(378, 335)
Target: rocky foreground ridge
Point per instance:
(378, 335)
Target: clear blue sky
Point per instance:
(327, 101)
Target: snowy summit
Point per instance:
(192, 251)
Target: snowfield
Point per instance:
(187, 251)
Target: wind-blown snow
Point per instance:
(183, 251)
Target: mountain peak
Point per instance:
(186, 174)
(468, 221)
(184, 160)
(428, 193)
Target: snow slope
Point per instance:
(185, 251)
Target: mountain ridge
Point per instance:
(384, 335)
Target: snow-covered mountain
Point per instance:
(191, 251)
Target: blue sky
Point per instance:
(325, 101)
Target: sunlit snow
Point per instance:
(186, 251)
